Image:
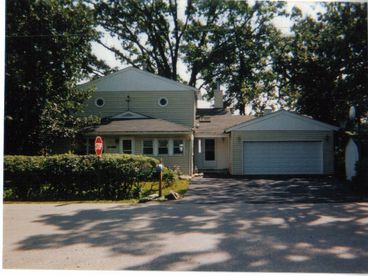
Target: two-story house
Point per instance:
(147, 114)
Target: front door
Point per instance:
(209, 154)
(205, 153)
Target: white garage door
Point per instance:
(282, 158)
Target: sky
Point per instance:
(310, 8)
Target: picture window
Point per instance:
(147, 147)
(178, 147)
(163, 146)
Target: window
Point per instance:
(163, 146)
(209, 149)
(163, 102)
(99, 102)
(147, 147)
(127, 146)
(178, 147)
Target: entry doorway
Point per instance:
(206, 153)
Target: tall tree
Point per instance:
(47, 51)
(238, 51)
(324, 65)
(218, 40)
(151, 32)
(199, 48)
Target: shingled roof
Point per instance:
(213, 122)
(148, 125)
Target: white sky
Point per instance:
(310, 8)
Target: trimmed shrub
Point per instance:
(67, 176)
(24, 175)
(169, 176)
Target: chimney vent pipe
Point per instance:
(219, 98)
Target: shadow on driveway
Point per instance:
(214, 189)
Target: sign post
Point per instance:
(99, 150)
(99, 146)
(159, 169)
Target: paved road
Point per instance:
(228, 236)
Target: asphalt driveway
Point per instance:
(321, 189)
(189, 235)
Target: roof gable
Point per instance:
(283, 120)
(129, 115)
(133, 79)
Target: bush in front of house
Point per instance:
(169, 176)
(71, 177)
(23, 175)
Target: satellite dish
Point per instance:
(352, 113)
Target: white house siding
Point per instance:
(221, 154)
(110, 145)
(239, 137)
(180, 108)
(183, 161)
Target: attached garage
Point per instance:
(282, 143)
(282, 157)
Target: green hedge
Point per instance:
(69, 177)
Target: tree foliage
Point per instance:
(47, 51)
(323, 67)
(235, 49)
(319, 70)
(229, 41)
(150, 32)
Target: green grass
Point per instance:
(180, 186)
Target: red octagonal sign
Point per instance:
(99, 146)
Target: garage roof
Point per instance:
(282, 120)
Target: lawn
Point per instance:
(180, 186)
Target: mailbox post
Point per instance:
(159, 169)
